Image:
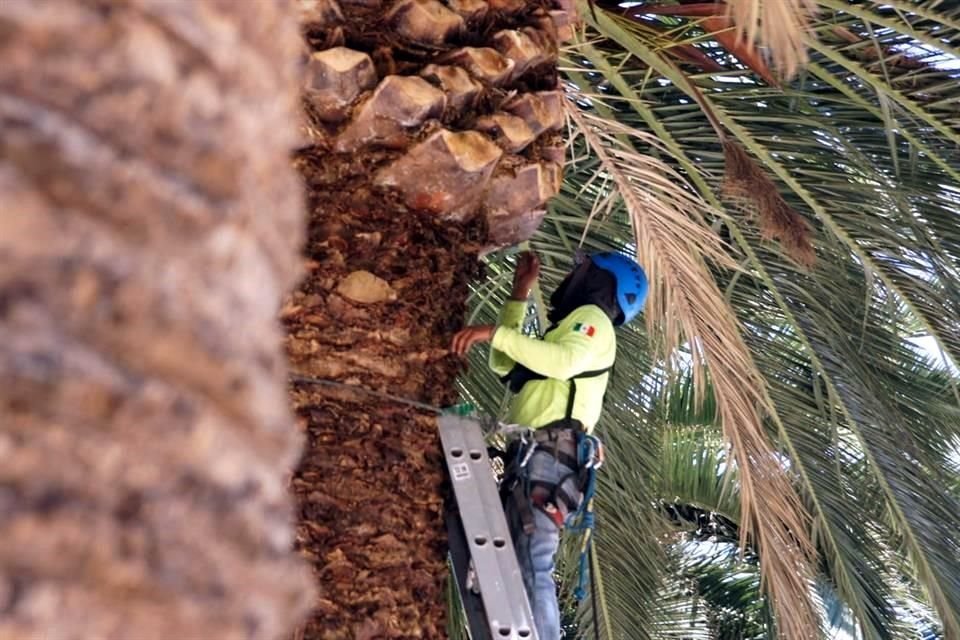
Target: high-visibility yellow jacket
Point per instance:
(583, 341)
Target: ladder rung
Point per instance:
(501, 584)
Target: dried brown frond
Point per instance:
(720, 27)
(781, 27)
(685, 304)
(748, 185)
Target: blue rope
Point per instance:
(583, 519)
(581, 591)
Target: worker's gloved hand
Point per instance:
(528, 270)
(470, 336)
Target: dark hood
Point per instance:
(586, 284)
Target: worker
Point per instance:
(558, 383)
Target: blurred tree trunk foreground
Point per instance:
(150, 225)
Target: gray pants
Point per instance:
(536, 552)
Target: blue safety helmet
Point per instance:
(631, 281)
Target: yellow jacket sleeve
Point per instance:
(511, 317)
(572, 347)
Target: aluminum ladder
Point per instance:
(477, 529)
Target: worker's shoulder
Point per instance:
(589, 319)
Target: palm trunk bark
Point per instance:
(149, 226)
(434, 135)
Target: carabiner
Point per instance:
(528, 453)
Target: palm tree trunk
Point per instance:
(434, 135)
(149, 226)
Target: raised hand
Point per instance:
(528, 270)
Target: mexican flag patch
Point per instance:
(585, 329)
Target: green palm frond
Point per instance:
(729, 589)
(863, 146)
(874, 213)
(633, 565)
(684, 303)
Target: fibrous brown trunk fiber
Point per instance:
(149, 227)
(433, 133)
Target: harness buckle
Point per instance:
(528, 451)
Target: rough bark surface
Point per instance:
(150, 226)
(431, 134)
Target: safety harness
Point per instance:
(568, 503)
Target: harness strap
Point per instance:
(564, 458)
(571, 396)
(523, 506)
(547, 491)
(520, 375)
